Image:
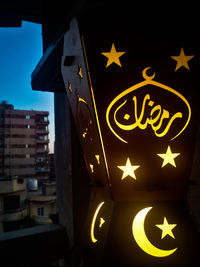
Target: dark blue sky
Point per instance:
(20, 51)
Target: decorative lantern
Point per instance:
(133, 97)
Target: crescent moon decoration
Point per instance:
(141, 238)
(94, 240)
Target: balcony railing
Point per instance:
(14, 215)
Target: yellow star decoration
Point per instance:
(168, 157)
(166, 228)
(128, 169)
(113, 56)
(182, 60)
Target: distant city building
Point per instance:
(23, 143)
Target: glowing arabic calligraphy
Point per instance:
(157, 114)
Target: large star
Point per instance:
(168, 157)
(182, 60)
(166, 228)
(113, 56)
(128, 169)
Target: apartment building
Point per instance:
(23, 143)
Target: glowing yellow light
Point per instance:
(182, 60)
(113, 56)
(126, 116)
(168, 157)
(81, 99)
(70, 87)
(102, 221)
(166, 228)
(92, 168)
(95, 110)
(94, 240)
(97, 158)
(160, 114)
(141, 238)
(128, 169)
(80, 73)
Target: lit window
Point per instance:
(27, 156)
(27, 145)
(28, 126)
(28, 117)
(45, 118)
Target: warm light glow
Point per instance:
(94, 240)
(70, 87)
(81, 99)
(128, 169)
(141, 238)
(80, 73)
(92, 168)
(182, 60)
(97, 158)
(95, 110)
(166, 228)
(113, 56)
(101, 222)
(168, 157)
(157, 113)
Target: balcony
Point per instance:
(8, 186)
(42, 141)
(41, 121)
(14, 215)
(42, 220)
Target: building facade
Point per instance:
(23, 143)
(13, 205)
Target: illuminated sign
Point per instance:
(142, 240)
(134, 106)
(138, 233)
(94, 240)
(156, 116)
(133, 99)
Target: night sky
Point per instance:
(20, 51)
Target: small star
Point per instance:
(168, 157)
(166, 228)
(113, 56)
(182, 60)
(128, 169)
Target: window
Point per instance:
(45, 147)
(28, 117)
(27, 145)
(40, 211)
(45, 119)
(28, 126)
(27, 156)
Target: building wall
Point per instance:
(49, 208)
(23, 140)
